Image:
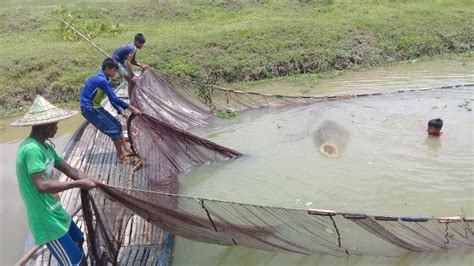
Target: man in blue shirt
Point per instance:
(94, 91)
(125, 55)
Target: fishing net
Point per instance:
(167, 150)
(292, 230)
(187, 104)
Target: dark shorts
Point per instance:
(104, 122)
(66, 249)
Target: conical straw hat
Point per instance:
(42, 112)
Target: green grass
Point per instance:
(219, 41)
(307, 83)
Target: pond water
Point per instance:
(417, 74)
(389, 166)
(399, 127)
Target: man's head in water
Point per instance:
(434, 127)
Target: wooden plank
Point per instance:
(97, 158)
(109, 162)
(156, 255)
(94, 162)
(149, 232)
(110, 152)
(89, 152)
(128, 232)
(139, 257)
(113, 179)
(138, 227)
(155, 235)
(98, 161)
(152, 254)
(94, 155)
(134, 230)
(82, 165)
(142, 232)
(146, 254)
(68, 200)
(132, 256)
(124, 254)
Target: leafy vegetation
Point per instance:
(91, 28)
(227, 113)
(218, 41)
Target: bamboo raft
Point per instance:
(94, 153)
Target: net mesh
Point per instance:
(167, 150)
(172, 99)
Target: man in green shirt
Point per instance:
(48, 221)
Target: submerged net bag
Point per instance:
(166, 151)
(330, 139)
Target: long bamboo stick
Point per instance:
(107, 55)
(28, 255)
(85, 38)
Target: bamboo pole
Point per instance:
(28, 255)
(85, 38)
(107, 55)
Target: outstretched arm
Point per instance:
(116, 102)
(135, 63)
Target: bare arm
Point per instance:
(70, 171)
(134, 110)
(134, 59)
(130, 62)
(53, 186)
(134, 62)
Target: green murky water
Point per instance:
(389, 164)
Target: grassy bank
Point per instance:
(219, 41)
(309, 83)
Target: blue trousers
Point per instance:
(65, 249)
(104, 122)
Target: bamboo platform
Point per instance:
(94, 153)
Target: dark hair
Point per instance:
(436, 123)
(109, 63)
(140, 38)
